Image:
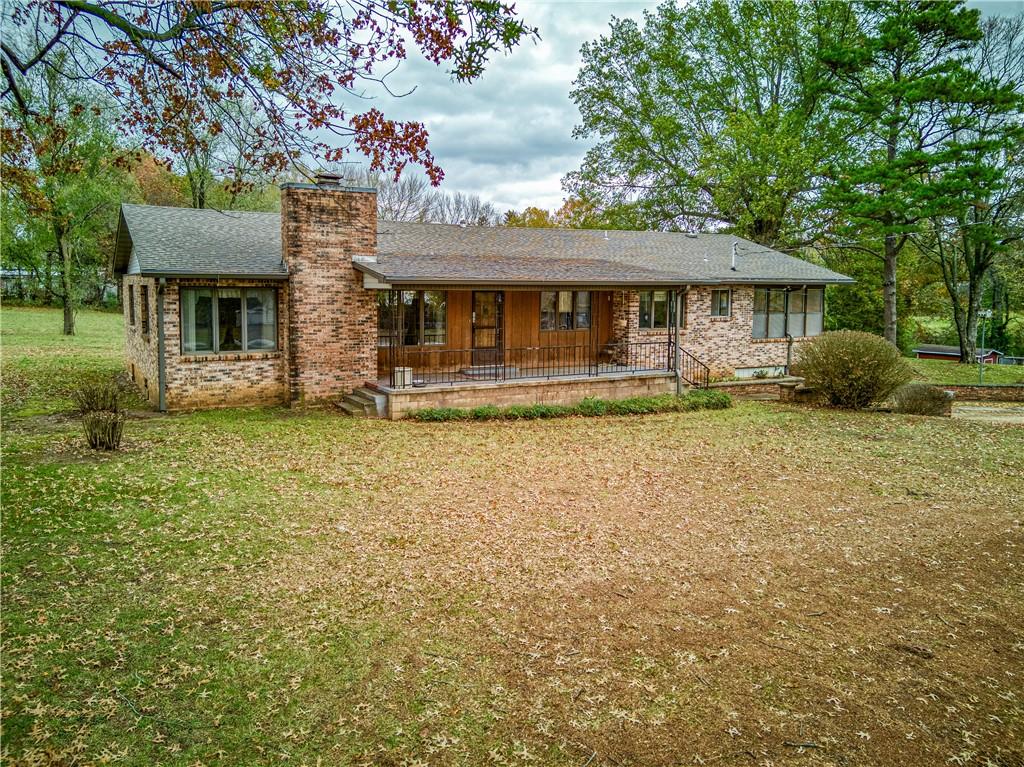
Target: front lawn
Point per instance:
(760, 585)
(942, 372)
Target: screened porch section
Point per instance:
(436, 338)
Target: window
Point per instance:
(656, 309)
(216, 320)
(781, 311)
(144, 301)
(564, 310)
(412, 317)
(581, 319)
(721, 303)
(435, 317)
(260, 319)
(131, 305)
(814, 307)
(795, 314)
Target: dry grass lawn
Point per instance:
(766, 585)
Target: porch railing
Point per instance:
(691, 369)
(424, 366)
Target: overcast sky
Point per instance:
(508, 136)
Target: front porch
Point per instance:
(429, 339)
(395, 403)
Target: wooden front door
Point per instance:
(487, 327)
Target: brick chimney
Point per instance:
(332, 325)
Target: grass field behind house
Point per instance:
(41, 366)
(763, 585)
(942, 372)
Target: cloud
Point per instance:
(508, 136)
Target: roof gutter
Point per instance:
(211, 276)
(539, 283)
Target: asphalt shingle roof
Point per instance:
(206, 242)
(187, 241)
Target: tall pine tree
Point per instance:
(909, 82)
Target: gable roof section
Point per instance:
(184, 242)
(188, 242)
(410, 253)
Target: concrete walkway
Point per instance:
(993, 412)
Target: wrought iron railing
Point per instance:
(425, 366)
(691, 369)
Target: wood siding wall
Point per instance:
(521, 330)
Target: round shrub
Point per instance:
(851, 369)
(920, 399)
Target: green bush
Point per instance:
(707, 399)
(920, 399)
(442, 414)
(851, 369)
(592, 406)
(699, 399)
(485, 413)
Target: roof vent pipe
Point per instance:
(734, 255)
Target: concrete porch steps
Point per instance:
(365, 402)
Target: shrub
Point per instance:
(484, 413)
(851, 369)
(920, 399)
(699, 399)
(102, 417)
(760, 373)
(441, 414)
(707, 399)
(592, 406)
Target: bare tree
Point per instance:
(411, 198)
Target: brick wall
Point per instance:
(332, 323)
(195, 381)
(140, 350)
(722, 343)
(548, 392)
(230, 379)
(987, 392)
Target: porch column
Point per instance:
(625, 324)
(677, 296)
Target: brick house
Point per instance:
(323, 302)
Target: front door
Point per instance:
(487, 327)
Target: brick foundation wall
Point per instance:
(529, 393)
(332, 324)
(140, 351)
(987, 392)
(231, 379)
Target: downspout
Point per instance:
(161, 365)
(675, 330)
(789, 351)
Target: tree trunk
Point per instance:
(66, 279)
(48, 283)
(891, 251)
(889, 289)
(969, 340)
